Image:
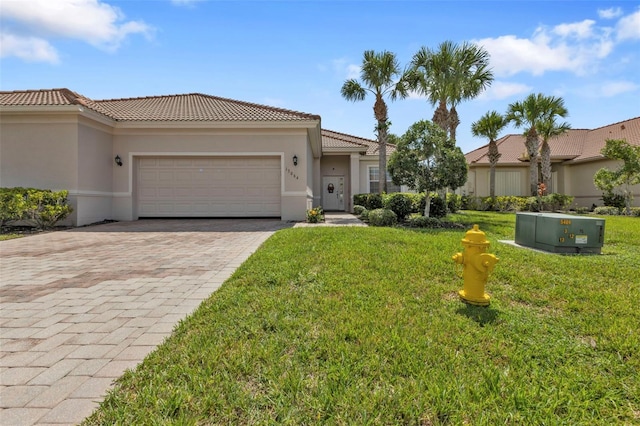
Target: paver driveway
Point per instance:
(79, 307)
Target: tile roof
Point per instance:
(576, 145)
(188, 107)
(331, 139)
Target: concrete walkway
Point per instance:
(335, 219)
(79, 307)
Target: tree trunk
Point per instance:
(532, 150)
(493, 156)
(453, 121)
(441, 116)
(427, 203)
(380, 113)
(545, 153)
(382, 158)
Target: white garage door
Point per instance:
(208, 187)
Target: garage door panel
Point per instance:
(209, 187)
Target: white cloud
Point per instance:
(345, 69)
(30, 49)
(579, 30)
(628, 28)
(91, 21)
(574, 47)
(613, 88)
(503, 90)
(610, 13)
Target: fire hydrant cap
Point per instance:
(475, 236)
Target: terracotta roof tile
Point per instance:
(331, 139)
(189, 107)
(575, 145)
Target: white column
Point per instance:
(354, 168)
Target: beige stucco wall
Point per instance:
(131, 144)
(40, 151)
(578, 178)
(95, 172)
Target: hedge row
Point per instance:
(41, 208)
(550, 202)
(403, 204)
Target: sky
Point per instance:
(298, 54)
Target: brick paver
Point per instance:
(79, 307)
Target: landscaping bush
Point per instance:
(424, 222)
(364, 215)
(611, 199)
(437, 208)
(555, 202)
(607, 210)
(41, 208)
(400, 203)
(417, 202)
(13, 205)
(358, 209)
(635, 211)
(382, 217)
(454, 202)
(369, 201)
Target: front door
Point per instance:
(333, 193)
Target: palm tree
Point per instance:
(381, 76)
(549, 129)
(489, 126)
(528, 113)
(448, 76)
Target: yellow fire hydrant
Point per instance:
(476, 266)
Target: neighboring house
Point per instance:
(190, 155)
(575, 158)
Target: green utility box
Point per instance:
(560, 233)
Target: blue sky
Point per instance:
(297, 54)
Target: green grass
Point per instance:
(363, 326)
(4, 237)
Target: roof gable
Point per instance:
(332, 139)
(188, 107)
(575, 145)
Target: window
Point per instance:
(507, 183)
(374, 181)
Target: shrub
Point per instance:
(13, 205)
(364, 215)
(454, 202)
(315, 215)
(46, 208)
(555, 201)
(417, 202)
(358, 209)
(41, 208)
(382, 217)
(399, 203)
(581, 210)
(437, 208)
(611, 199)
(607, 210)
(369, 201)
(635, 211)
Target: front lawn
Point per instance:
(364, 326)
